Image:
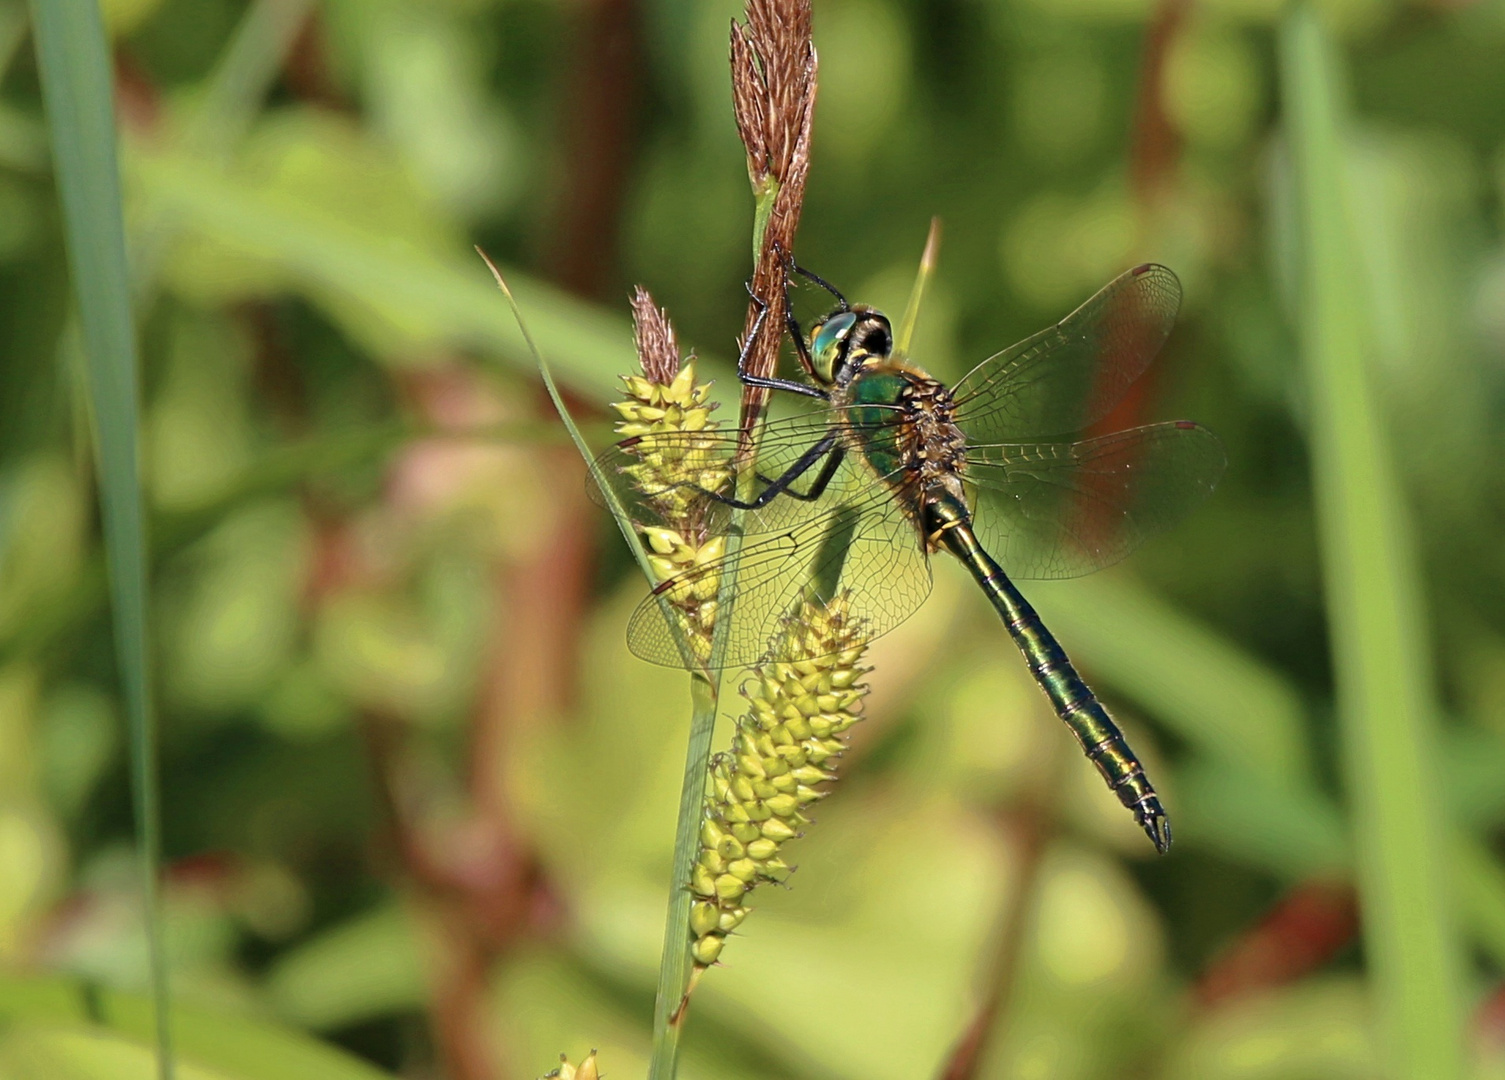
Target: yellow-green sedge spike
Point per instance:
(799, 710)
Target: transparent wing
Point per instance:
(665, 478)
(1060, 510)
(1065, 378)
(858, 537)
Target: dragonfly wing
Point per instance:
(661, 479)
(1061, 510)
(665, 478)
(1070, 375)
(856, 538)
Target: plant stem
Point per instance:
(675, 963)
(1386, 710)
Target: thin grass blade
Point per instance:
(1387, 711)
(675, 964)
(76, 75)
(928, 258)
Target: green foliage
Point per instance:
(401, 730)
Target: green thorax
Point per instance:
(902, 421)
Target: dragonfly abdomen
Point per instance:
(1073, 701)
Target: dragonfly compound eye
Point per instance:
(875, 337)
(828, 344)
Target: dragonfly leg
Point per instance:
(757, 328)
(762, 380)
(784, 384)
(819, 484)
(780, 485)
(796, 334)
(822, 282)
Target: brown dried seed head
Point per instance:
(658, 351)
(773, 94)
(773, 83)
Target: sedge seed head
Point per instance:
(781, 749)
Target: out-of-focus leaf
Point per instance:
(43, 517)
(393, 289)
(1317, 1031)
(63, 1024)
(1292, 832)
(366, 968)
(426, 88)
(235, 623)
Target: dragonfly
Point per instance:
(888, 467)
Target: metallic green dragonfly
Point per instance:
(890, 466)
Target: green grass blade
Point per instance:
(76, 75)
(618, 511)
(1386, 710)
(904, 334)
(676, 963)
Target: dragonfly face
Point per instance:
(845, 340)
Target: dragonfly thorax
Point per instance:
(904, 425)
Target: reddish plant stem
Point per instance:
(1156, 147)
(307, 73)
(600, 110)
(1031, 824)
(1303, 931)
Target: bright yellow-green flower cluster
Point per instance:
(674, 470)
(783, 747)
(675, 467)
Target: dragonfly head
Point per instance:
(846, 339)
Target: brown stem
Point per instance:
(1156, 146)
(307, 73)
(1300, 933)
(601, 103)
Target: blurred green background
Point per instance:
(418, 800)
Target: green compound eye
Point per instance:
(825, 345)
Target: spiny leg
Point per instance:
(780, 485)
(769, 382)
(819, 484)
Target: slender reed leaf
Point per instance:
(1386, 708)
(74, 61)
(905, 332)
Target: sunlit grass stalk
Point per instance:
(773, 90)
(1386, 708)
(74, 61)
